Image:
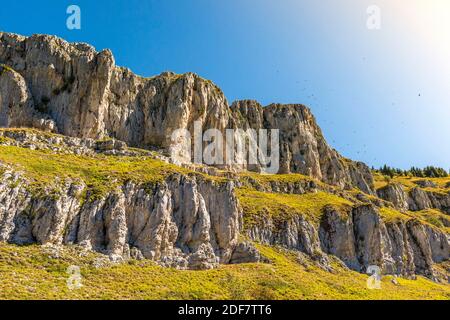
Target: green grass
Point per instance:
(267, 179)
(409, 182)
(101, 173)
(279, 206)
(30, 273)
(435, 218)
(392, 215)
(5, 68)
(431, 217)
(258, 205)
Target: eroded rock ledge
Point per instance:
(359, 237)
(415, 199)
(182, 222)
(186, 222)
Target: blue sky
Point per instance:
(380, 96)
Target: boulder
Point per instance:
(394, 193)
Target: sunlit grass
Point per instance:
(281, 206)
(101, 173)
(29, 273)
(409, 182)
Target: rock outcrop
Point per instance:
(245, 252)
(38, 140)
(196, 222)
(419, 200)
(426, 183)
(303, 149)
(296, 233)
(395, 193)
(360, 238)
(415, 199)
(74, 90)
(182, 222)
(16, 103)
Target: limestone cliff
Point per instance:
(193, 220)
(182, 222)
(71, 89)
(416, 199)
(89, 110)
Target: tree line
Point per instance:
(427, 172)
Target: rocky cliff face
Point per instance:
(182, 222)
(74, 90)
(363, 239)
(191, 221)
(303, 149)
(16, 103)
(415, 199)
(360, 238)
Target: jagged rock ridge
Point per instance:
(73, 90)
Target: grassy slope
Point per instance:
(281, 206)
(433, 217)
(258, 205)
(29, 273)
(409, 182)
(101, 173)
(266, 179)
